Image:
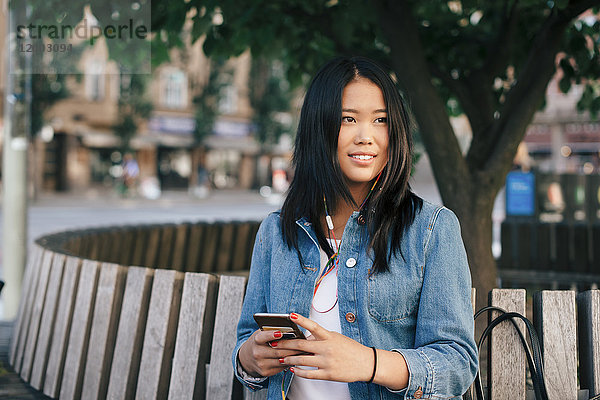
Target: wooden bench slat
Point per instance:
(544, 247)
(167, 234)
(196, 237)
(554, 316)
(159, 338)
(103, 331)
(240, 257)
(595, 239)
(80, 331)
(113, 252)
(589, 340)
(86, 244)
(151, 248)
(73, 245)
(29, 283)
(179, 247)
(561, 231)
(106, 245)
(210, 241)
(94, 248)
(139, 246)
(224, 249)
(130, 333)
(47, 322)
(62, 326)
(228, 312)
(507, 366)
(36, 315)
(579, 257)
(128, 239)
(193, 336)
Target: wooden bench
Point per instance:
(92, 330)
(188, 247)
(550, 254)
(96, 330)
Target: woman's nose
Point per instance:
(363, 136)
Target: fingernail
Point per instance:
(281, 361)
(274, 343)
(292, 370)
(277, 334)
(294, 315)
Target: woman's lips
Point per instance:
(362, 159)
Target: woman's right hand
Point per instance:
(259, 355)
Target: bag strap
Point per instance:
(534, 355)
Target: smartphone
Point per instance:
(279, 322)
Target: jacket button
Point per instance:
(418, 393)
(361, 220)
(351, 262)
(350, 317)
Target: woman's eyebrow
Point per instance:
(351, 110)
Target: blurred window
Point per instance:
(228, 100)
(174, 89)
(94, 80)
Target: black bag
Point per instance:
(534, 354)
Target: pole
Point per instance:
(14, 177)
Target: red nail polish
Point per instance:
(274, 343)
(281, 361)
(294, 315)
(278, 334)
(292, 370)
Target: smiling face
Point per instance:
(363, 139)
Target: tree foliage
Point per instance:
(270, 97)
(491, 60)
(38, 23)
(207, 102)
(134, 107)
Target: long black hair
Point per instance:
(392, 206)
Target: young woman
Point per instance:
(376, 276)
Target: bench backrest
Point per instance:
(101, 330)
(224, 246)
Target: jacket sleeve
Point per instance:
(255, 299)
(444, 360)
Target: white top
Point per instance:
(326, 296)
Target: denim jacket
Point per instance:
(421, 308)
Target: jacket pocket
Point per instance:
(394, 295)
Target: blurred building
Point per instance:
(562, 140)
(84, 147)
(79, 148)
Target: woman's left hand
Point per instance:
(337, 357)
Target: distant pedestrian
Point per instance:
(131, 173)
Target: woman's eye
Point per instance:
(381, 120)
(348, 119)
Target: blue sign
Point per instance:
(520, 194)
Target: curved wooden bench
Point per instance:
(124, 312)
(94, 325)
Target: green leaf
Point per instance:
(561, 4)
(567, 68)
(564, 84)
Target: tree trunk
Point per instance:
(476, 227)
(474, 206)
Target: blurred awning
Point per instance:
(102, 139)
